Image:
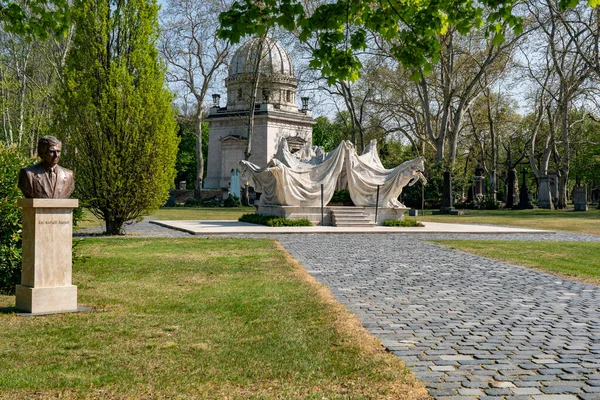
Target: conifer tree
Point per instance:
(118, 123)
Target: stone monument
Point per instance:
(447, 203)
(479, 171)
(596, 197)
(47, 234)
(524, 202)
(579, 196)
(511, 180)
(544, 195)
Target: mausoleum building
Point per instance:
(277, 114)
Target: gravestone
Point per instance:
(493, 185)
(470, 192)
(579, 197)
(544, 195)
(234, 182)
(596, 197)
(524, 201)
(447, 205)
(182, 185)
(511, 181)
(479, 182)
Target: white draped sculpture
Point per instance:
(291, 180)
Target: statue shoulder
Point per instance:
(33, 169)
(65, 170)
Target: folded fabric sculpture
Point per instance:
(291, 180)
(365, 173)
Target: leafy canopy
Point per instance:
(36, 18)
(411, 28)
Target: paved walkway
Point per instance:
(468, 327)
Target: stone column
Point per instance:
(544, 197)
(47, 257)
(510, 188)
(479, 183)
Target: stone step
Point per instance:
(348, 217)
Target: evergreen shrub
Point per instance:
(273, 221)
(232, 201)
(405, 222)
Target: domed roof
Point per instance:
(274, 60)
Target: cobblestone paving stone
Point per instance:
(468, 327)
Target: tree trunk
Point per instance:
(115, 227)
(199, 156)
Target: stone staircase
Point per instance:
(350, 216)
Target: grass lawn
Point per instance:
(577, 260)
(196, 318)
(176, 213)
(572, 221)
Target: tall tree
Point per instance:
(195, 54)
(561, 79)
(118, 115)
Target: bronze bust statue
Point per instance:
(47, 180)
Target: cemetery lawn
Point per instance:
(196, 318)
(573, 260)
(176, 213)
(560, 220)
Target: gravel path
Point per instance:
(467, 326)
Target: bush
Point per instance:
(485, 203)
(341, 196)
(10, 218)
(405, 222)
(232, 201)
(193, 202)
(269, 220)
(211, 203)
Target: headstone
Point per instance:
(524, 201)
(579, 196)
(596, 197)
(544, 196)
(493, 186)
(447, 207)
(511, 179)
(479, 182)
(171, 202)
(46, 285)
(470, 192)
(182, 185)
(234, 183)
(413, 212)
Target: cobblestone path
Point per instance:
(468, 327)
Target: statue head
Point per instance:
(49, 149)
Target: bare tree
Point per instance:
(194, 55)
(561, 80)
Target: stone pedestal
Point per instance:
(47, 256)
